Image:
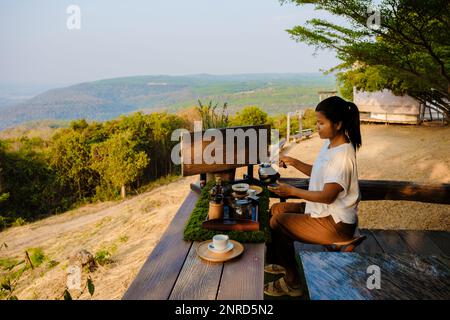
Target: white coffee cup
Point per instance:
(220, 241)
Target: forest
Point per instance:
(97, 161)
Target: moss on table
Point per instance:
(194, 230)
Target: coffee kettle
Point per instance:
(267, 173)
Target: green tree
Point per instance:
(408, 52)
(70, 158)
(31, 185)
(3, 194)
(79, 125)
(162, 125)
(251, 115)
(117, 161)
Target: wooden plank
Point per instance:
(198, 279)
(370, 244)
(441, 239)
(390, 190)
(343, 276)
(420, 242)
(243, 278)
(157, 277)
(391, 241)
(193, 163)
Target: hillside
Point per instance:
(130, 229)
(107, 99)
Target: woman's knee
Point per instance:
(276, 221)
(276, 209)
(273, 218)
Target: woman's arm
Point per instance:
(328, 195)
(297, 164)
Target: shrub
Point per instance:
(37, 256)
(251, 115)
(103, 257)
(19, 222)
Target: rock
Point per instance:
(83, 258)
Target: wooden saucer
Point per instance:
(206, 254)
(258, 189)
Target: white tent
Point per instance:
(384, 106)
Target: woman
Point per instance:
(330, 213)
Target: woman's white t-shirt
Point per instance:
(336, 165)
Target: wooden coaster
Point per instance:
(206, 254)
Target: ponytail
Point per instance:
(352, 125)
(338, 110)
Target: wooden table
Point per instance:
(339, 276)
(173, 271)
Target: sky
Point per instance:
(137, 37)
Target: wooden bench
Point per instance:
(407, 247)
(402, 276)
(173, 271)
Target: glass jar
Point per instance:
(242, 209)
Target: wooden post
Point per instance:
(288, 133)
(202, 180)
(423, 111)
(28, 260)
(250, 172)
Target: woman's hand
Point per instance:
(283, 190)
(287, 161)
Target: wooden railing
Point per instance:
(390, 190)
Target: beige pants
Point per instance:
(289, 218)
(289, 223)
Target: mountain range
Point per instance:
(107, 99)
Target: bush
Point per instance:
(37, 256)
(103, 257)
(248, 116)
(3, 223)
(8, 263)
(19, 222)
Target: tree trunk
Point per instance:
(123, 192)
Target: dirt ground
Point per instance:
(130, 229)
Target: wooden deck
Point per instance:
(173, 271)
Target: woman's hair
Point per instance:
(337, 109)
